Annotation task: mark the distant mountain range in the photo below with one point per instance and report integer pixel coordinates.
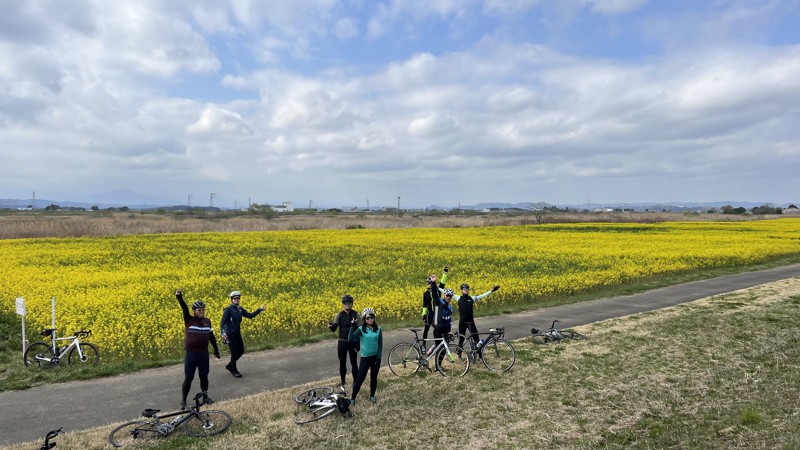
(137, 201)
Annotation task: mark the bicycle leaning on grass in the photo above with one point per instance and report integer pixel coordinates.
(42, 354)
(321, 402)
(554, 334)
(497, 354)
(194, 423)
(407, 358)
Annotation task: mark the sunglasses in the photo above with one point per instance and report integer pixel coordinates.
(369, 318)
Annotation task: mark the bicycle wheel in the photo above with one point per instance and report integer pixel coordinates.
(137, 431)
(498, 355)
(455, 364)
(207, 423)
(403, 359)
(305, 397)
(90, 355)
(36, 351)
(569, 334)
(315, 413)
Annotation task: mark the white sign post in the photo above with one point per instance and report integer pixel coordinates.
(21, 312)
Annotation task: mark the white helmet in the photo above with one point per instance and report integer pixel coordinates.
(368, 312)
(235, 294)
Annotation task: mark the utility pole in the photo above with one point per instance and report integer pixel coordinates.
(367, 204)
(33, 201)
(189, 201)
(211, 199)
(398, 205)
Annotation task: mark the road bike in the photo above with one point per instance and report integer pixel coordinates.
(50, 435)
(321, 402)
(194, 423)
(554, 334)
(407, 358)
(497, 354)
(42, 354)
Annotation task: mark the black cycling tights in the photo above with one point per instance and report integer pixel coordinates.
(195, 361)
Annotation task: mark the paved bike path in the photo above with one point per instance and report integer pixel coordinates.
(27, 415)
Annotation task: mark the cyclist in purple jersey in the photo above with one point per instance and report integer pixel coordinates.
(198, 335)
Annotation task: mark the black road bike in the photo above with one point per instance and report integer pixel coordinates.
(194, 423)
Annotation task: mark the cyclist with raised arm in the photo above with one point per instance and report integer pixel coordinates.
(230, 325)
(428, 306)
(370, 335)
(344, 321)
(442, 314)
(466, 318)
(198, 335)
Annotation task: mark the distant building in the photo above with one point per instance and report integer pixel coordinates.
(283, 207)
(791, 209)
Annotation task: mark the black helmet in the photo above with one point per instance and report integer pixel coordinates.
(347, 298)
(465, 286)
(198, 305)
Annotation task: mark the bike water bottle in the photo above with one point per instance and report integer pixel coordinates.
(480, 343)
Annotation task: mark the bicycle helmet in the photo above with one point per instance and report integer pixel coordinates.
(198, 305)
(465, 286)
(235, 294)
(448, 292)
(347, 298)
(368, 312)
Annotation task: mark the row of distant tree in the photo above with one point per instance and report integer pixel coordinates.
(267, 212)
(758, 210)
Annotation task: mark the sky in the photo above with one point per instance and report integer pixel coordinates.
(435, 102)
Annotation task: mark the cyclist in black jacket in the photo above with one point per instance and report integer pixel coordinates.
(343, 322)
(466, 318)
(428, 306)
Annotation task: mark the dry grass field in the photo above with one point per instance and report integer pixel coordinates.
(718, 373)
(89, 223)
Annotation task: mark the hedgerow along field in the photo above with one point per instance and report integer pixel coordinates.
(122, 287)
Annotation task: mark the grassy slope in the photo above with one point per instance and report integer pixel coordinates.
(718, 373)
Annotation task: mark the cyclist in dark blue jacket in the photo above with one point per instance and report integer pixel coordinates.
(442, 313)
(230, 325)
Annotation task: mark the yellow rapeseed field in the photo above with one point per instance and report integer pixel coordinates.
(122, 287)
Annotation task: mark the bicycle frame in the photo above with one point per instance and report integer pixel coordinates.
(425, 357)
(491, 338)
(59, 353)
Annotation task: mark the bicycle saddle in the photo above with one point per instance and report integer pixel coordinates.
(150, 412)
(415, 329)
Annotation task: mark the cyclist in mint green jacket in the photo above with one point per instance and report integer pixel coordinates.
(371, 337)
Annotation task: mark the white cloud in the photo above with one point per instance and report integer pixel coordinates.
(219, 122)
(263, 96)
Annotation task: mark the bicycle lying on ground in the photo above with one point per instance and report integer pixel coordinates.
(497, 354)
(43, 354)
(321, 402)
(554, 334)
(194, 422)
(50, 435)
(407, 358)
